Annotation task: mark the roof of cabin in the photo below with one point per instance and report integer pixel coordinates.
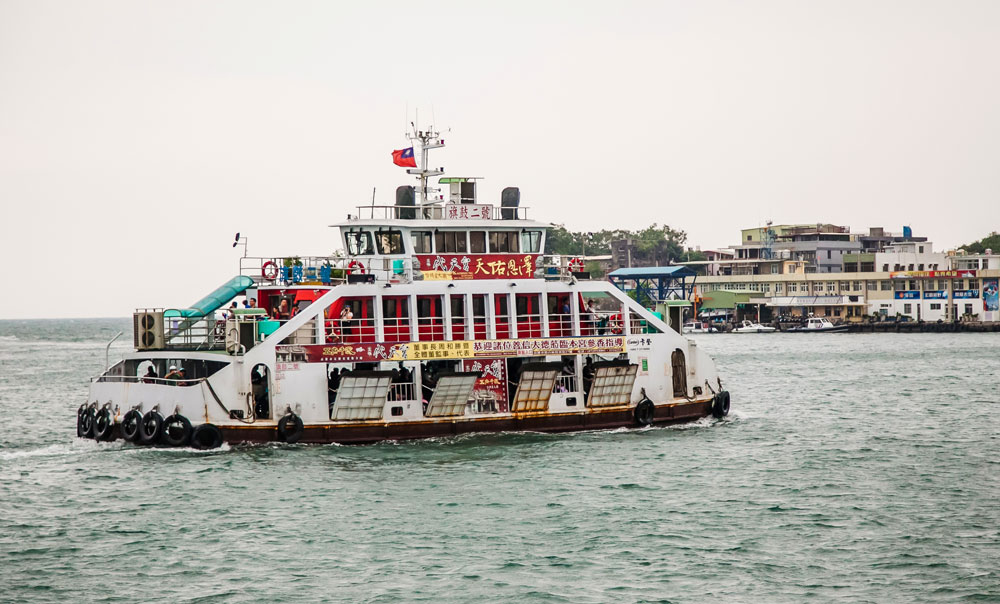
(650, 272)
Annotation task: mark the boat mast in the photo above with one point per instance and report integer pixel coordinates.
(428, 139)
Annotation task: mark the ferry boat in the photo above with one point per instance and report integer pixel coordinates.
(441, 317)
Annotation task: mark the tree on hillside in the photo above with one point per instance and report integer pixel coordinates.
(654, 244)
(990, 242)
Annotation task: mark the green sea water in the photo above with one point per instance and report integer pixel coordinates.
(853, 468)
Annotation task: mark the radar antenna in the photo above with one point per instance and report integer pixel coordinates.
(427, 139)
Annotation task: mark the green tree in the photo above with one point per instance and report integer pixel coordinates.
(990, 242)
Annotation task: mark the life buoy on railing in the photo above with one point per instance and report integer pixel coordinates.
(576, 265)
(269, 271)
(356, 266)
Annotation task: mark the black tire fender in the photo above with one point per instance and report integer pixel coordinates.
(290, 434)
(130, 425)
(720, 404)
(104, 425)
(206, 436)
(86, 423)
(643, 412)
(176, 431)
(150, 427)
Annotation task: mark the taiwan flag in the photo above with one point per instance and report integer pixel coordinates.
(404, 157)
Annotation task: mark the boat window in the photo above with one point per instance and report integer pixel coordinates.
(359, 243)
(477, 242)
(503, 242)
(394, 308)
(450, 242)
(389, 242)
(531, 242)
(479, 316)
(421, 242)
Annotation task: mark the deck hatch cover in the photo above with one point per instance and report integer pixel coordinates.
(362, 395)
(535, 386)
(452, 392)
(612, 384)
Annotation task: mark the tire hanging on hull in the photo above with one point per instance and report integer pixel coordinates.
(206, 436)
(643, 412)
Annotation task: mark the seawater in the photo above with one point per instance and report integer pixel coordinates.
(854, 467)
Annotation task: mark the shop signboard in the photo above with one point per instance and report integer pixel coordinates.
(457, 267)
(960, 274)
(936, 295)
(965, 293)
(908, 295)
(991, 301)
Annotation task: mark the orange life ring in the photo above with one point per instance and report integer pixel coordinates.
(269, 270)
(576, 265)
(356, 266)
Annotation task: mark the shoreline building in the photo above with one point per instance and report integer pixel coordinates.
(885, 274)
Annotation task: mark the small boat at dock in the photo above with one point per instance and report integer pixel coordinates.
(751, 327)
(818, 325)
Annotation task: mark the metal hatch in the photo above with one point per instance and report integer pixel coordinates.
(451, 393)
(362, 395)
(534, 389)
(612, 386)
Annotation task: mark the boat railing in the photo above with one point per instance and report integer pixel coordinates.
(402, 391)
(565, 383)
(441, 211)
(194, 333)
(142, 379)
(322, 270)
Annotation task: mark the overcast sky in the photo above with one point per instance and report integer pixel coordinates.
(136, 137)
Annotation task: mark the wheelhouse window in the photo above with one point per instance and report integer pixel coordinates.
(503, 242)
(450, 242)
(421, 242)
(359, 243)
(389, 242)
(477, 242)
(531, 242)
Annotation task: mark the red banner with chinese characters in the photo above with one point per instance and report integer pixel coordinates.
(442, 267)
(490, 391)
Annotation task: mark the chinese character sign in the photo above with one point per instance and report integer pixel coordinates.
(477, 266)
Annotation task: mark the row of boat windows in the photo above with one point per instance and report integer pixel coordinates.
(817, 287)
(527, 316)
(391, 242)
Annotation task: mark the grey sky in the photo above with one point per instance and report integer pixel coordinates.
(137, 137)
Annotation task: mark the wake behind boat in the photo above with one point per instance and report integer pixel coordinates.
(442, 317)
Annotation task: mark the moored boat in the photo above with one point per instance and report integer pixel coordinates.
(699, 327)
(751, 327)
(443, 316)
(817, 325)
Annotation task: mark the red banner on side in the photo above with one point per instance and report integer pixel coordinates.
(438, 267)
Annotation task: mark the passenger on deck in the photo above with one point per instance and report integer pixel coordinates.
(346, 318)
(172, 373)
(332, 384)
(150, 375)
(588, 375)
(282, 310)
